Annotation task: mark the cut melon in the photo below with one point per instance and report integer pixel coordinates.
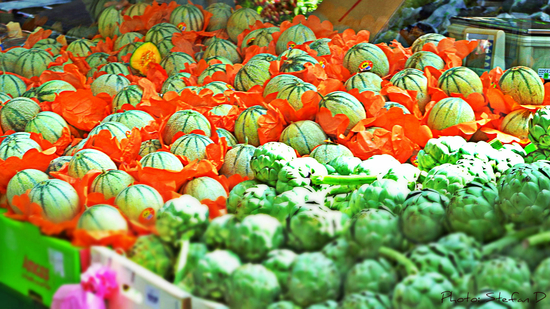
(143, 56)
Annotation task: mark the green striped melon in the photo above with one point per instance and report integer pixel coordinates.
(321, 46)
(111, 182)
(49, 124)
(194, 89)
(364, 81)
(71, 150)
(259, 37)
(162, 160)
(237, 161)
(112, 117)
(109, 22)
(175, 62)
(81, 47)
(297, 63)
(263, 57)
(364, 57)
(149, 146)
(16, 145)
(128, 50)
(211, 60)
(9, 59)
(449, 112)
(110, 84)
(277, 82)
(246, 125)
(115, 68)
(139, 203)
(222, 48)
(131, 94)
(523, 84)
(17, 112)
(12, 85)
(241, 20)
(51, 43)
(220, 15)
(185, 121)
(419, 43)
(32, 62)
(49, 90)
(135, 119)
(21, 182)
(516, 123)
(190, 15)
(423, 59)
(117, 130)
(58, 199)
(136, 9)
(222, 109)
(160, 31)
(229, 137)
(297, 35)
(86, 160)
(31, 93)
(210, 70)
(204, 188)
(460, 80)
(292, 92)
(4, 97)
(175, 83)
(413, 79)
(388, 105)
(340, 102)
(96, 8)
(102, 218)
(165, 47)
(57, 164)
(192, 146)
(97, 59)
(303, 136)
(328, 151)
(218, 87)
(289, 53)
(254, 72)
(127, 38)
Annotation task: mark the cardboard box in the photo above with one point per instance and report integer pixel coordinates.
(36, 265)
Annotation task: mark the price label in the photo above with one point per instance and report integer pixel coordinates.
(544, 73)
(152, 297)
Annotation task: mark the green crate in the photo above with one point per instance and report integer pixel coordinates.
(36, 265)
(13, 300)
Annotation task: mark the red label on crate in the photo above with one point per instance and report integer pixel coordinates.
(36, 269)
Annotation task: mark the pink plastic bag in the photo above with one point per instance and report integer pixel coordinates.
(97, 284)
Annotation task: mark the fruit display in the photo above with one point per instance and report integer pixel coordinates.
(281, 167)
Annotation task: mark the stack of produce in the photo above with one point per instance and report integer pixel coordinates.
(223, 152)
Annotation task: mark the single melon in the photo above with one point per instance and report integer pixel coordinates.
(523, 84)
(162, 160)
(303, 136)
(192, 146)
(139, 203)
(102, 218)
(16, 114)
(185, 121)
(86, 160)
(149, 146)
(329, 151)
(460, 80)
(58, 199)
(237, 161)
(49, 124)
(21, 182)
(203, 188)
(246, 125)
(516, 123)
(449, 112)
(111, 182)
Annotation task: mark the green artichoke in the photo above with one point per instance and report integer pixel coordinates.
(256, 200)
(283, 305)
(255, 236)
(466, 249)
(504, 159)
(524, 191)
(423, 215)
(341, 253)
(298, 172)
(377, 165)
(533, 255)
(343, 165)
(440, 151)
(190, 257)
(269, 159)
(541, 278)
(211, 272)
(375, 276)
(502, 272)
(152, 253)
(313, 278)
(251, 286)
(217, 235)
(480, 170)
(473, 210)
(182, 218)
(365, 300)
(421, 290)
(279, 262)
(436, 258)
(237, 193)
(287, 201)
(538, 155)
(383, 192)
(309, 228)
(340, 202)
(447, 178)
(329, 304)
(405, 173)
(516, 148)
(373, 228)
(539, 126)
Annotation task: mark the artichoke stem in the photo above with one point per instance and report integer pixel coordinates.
(400, 258)
(538, 239)
(496, 144)
(343, 180)
(343, 189)
(508, 240)
(182, 260)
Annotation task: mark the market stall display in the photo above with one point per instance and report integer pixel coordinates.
(254, 165)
